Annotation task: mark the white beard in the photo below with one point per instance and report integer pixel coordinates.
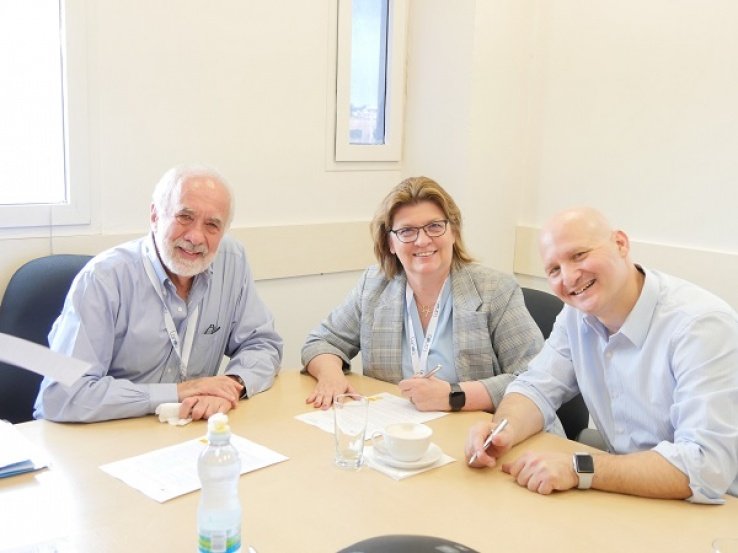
(176, 264)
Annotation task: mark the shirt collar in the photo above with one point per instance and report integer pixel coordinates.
(150, 252)
(160, 271)
(636, 325)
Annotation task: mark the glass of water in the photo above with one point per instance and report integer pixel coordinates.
(725, 545)
(350, 414)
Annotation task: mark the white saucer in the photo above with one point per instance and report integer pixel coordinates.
(431, 456)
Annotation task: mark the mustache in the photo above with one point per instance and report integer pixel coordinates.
(189, 247)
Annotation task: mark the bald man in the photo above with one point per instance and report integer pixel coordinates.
(155, 316)
(656, 360)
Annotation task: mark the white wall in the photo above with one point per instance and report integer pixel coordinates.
(518, 107)
(635, 112)
(628, 106)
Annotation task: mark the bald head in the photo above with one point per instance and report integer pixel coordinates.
(588, 264)
(582, 221)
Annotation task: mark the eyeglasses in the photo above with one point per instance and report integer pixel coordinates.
(433, 229)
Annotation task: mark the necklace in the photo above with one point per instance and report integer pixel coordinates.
(426, 310)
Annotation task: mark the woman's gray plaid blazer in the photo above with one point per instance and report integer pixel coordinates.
(494, 336)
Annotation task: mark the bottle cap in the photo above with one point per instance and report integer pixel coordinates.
(218, 425)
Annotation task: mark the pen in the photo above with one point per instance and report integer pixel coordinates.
(431, 372)
(499, 428)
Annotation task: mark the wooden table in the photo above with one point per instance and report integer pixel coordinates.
(306, 504)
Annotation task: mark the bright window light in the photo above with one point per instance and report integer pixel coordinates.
(31, 103)
(370, 80)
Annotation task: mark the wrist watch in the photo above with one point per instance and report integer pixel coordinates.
(457, 397)
(241, 382)
(584, 467)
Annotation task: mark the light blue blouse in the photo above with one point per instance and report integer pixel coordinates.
(442, 348)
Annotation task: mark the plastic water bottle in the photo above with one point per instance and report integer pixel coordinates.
(219, 512)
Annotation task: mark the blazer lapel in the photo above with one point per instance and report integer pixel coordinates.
(387, 332)
(468, 322)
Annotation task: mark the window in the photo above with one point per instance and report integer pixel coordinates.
(36, 138)
(370, 80)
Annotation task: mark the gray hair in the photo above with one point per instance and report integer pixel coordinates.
(170, 185)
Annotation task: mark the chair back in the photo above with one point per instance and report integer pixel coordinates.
(33, 300)
(544, 308)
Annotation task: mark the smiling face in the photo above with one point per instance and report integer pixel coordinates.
(188, 232)
(588, 267)
(426, 258)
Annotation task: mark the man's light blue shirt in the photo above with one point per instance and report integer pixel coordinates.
(666, 381)
(113, 317)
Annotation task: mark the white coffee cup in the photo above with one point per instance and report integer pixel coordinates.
(403, 441)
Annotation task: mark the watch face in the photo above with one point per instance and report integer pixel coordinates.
(585, 463)
(457, 398)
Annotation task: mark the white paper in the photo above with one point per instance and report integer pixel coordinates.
(169, 472)
(17, 454)
(384, 409)
(41, 360)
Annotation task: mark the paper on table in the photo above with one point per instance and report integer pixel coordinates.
(41, 360)
(384, 409)
(17, 454)
(169, 472)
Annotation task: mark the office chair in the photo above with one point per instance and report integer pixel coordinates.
(544, 308)
(33, 300)
(406, 543)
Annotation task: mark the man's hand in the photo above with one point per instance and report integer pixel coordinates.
(218, 386)
(202, 407)
(543, 472)
(478, 433)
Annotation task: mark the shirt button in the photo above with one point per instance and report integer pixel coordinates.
(179, 309)
(608, 355)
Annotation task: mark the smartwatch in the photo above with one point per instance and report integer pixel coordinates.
(241, 382)
(585, 468)
(457, 397)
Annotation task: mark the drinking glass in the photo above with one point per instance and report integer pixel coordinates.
(725, 545)
(350, 412)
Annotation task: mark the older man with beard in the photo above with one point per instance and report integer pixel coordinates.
(155, 316)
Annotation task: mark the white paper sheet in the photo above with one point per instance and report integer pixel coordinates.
(17, 454)
(169, 472)
(384, 409)
(41, 360)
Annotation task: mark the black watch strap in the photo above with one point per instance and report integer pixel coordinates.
(242, 383)
(457, 398)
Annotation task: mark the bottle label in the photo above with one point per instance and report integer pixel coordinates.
(219, 541)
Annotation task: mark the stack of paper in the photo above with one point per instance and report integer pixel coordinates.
(17, 454)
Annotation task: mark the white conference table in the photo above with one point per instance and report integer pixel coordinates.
(306, 504)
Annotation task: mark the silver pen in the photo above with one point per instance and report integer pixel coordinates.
(499, 428)
(430, 373)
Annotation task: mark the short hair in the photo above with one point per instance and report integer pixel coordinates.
(170, 184)
(412, 191)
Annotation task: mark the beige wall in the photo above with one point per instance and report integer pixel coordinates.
(519, 107)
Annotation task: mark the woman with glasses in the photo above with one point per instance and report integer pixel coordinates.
(453, 334)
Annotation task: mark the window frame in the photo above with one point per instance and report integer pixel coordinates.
(76, 209)
(391, 150)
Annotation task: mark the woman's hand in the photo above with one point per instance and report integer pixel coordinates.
(427, 394)
(327, 370)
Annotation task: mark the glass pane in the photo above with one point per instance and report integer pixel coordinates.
(368, 71)
(31, 103)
